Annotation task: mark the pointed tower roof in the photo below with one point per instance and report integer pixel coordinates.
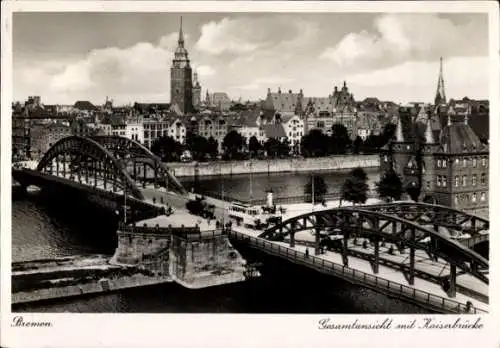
(429, 136)
(440, 94)
(399, 131)
(181, 36)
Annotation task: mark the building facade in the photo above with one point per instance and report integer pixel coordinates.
(445, 165)
(44, 136)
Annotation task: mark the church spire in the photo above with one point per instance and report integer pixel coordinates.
(440, 94)
(399, 131)
(181, 36)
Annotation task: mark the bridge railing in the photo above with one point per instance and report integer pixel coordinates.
(420, 296)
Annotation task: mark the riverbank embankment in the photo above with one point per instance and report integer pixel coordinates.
(283, 165)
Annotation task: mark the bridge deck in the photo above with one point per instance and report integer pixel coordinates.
(363, 266)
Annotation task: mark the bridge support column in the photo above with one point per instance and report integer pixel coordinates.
(345, 259)
(376, 256)
(411, 278)
(57, 165)
(144, 170)
(292, 239)
(135, 170)
(316, 240)
(452, 291)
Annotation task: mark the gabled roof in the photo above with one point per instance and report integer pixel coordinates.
(459, 137)
(283, 102)
(274, 130)
(84, 105)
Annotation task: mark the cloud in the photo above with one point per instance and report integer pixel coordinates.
(205, 70)
(247, 35)
(401, 37)
(225, 36)
(417, 81)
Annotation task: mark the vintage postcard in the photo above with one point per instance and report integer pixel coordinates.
(282, 174)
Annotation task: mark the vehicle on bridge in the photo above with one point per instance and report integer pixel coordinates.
(200, 207)
(252, 216)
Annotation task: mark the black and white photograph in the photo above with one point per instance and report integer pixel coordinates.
(260, 162)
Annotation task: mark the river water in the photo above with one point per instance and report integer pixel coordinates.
(56, 226)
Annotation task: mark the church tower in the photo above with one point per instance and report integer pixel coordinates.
(196, 92)
(440, 95)
(181, 80)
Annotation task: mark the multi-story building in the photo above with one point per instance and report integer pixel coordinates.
(177, 130)
(134, 129)
(249, 124)
(154, 128)
(181, 79)
(293, 126)
(43, 136)
(446, 165)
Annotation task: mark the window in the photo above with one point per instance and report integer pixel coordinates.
(483, 178)
(456, 200)
(474, 197)
(483, 196)
(443, 163)
(444, 179)
(457, 181)
(464, 180)
(484, 161)
(474, 162)
(465, 163)
(439, 164)
(474, 179)
(457, 161)
(438, 183)
(386, 159)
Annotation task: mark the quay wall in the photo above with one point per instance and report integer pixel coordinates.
(94, 287)
(289, 165)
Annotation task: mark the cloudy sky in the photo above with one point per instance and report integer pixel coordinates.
(66, 57)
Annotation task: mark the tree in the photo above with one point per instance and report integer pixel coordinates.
(314, 144)
(167, 148)
(254, 146)
(232, 143)
(356, 145)
(272, 147)
(284, 148)
(212, 147)
(320, 188)
(198, 147)
(355, 187)
(390, 186)
(339, 140)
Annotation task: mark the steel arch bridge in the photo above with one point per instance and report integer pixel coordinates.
(138, 159)
(336, 226)
(113, 160)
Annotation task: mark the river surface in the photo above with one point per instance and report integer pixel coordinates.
(57, 226)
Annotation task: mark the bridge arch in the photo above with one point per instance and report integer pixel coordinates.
(456, 222)
(87, 157)
(132, 153)
(345, 223)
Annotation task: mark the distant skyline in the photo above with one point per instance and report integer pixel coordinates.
(65, 57)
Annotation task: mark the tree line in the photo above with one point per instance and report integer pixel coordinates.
(355, 188)
(235, 147)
